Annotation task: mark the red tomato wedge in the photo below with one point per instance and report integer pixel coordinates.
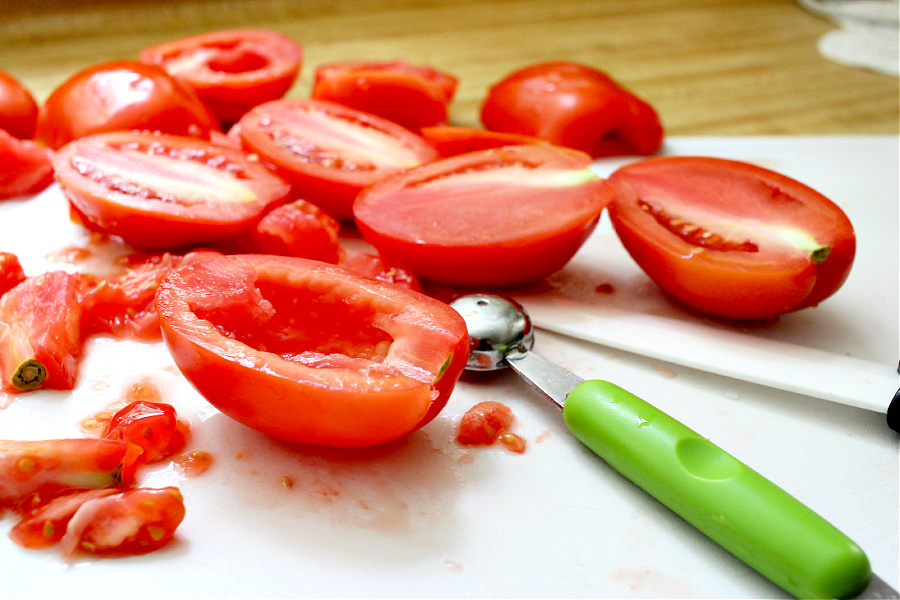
(412, 95)
(308, 352)
(573, 105)
(121, 95)
(729, 238)
(11, 272)
(490, 218)
(329, 151)
(450, 140)
(41, 332)
(232, 70)
(18, 109)
(164, 191)
(27, 167)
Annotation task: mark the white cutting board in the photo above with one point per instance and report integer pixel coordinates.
(425, 518)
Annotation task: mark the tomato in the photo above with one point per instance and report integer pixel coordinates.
(121, 95)
(484, 423)
(153, 426)
(11, 273)
(298, 228)
(46, 524)
(374, 266)
(329, 151)
(489, 218)
(41, 332)
(18, 110)
(573, 105)
(729, 238)
(308, 352)
(231, 70)
(49, 466)
(133, 521)
(450, 140)
(164, 191)
(27, 168)
(414, 96)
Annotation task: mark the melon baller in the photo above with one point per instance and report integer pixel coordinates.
(743, 512)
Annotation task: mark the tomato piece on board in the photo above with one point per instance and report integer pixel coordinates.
(11, 272)
(374, 266)
(164, 191)
(329, 151)
(153, 426)
(130, 522)
(41, 332)
(575, 106)
(27, 168)
(48, 467)
(18, 109)
(308, 352)
(484, 423)
(298, 228)
(232, 70)
(450, 140)
(729, 238)
(414, 96)
(490, 218)
(45, 524)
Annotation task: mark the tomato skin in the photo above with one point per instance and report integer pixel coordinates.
(450, 140)
(413, 96)
(153, 426)
(11, 272)
(329, 151)
(231, 70)
(27, 167)
(491, 218)
(121, 95)
(742, 266)
(573, 105)
(18, 109)
(163, 191)
(41, 331)
(367, 363)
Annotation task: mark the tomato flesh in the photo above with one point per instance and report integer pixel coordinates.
(308, 352)
(11, 272)
(484, 423)
(162, 191)
(729, 238)
(374, 266)
(45, 524)
(27, 167)
(153, 426)
(451, 140)
(490, 218)
(329, 151)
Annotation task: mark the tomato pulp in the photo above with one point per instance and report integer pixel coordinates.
(308, 352)
(489, 218)
(729, 238)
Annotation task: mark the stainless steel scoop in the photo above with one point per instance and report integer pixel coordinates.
(742, 511)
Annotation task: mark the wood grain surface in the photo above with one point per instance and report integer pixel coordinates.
(710, 67)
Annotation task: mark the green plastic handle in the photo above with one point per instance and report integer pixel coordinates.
(742, 511)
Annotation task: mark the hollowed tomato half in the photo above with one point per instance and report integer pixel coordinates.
(729, 238)
(164, 191)
(487, 218)
(308, 352)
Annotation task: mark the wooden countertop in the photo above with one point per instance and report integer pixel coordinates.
(710, 67)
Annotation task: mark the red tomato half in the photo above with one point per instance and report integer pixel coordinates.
(25, 167)
(164, 191)
(329, 151)
(121, 95)
(729, 238)
(18, 110)
(575, 106)
(414, 96)
(308, 352)
(232, 70)
(489, 218)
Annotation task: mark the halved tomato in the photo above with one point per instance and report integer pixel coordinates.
(413, 95)
(308, 352)
(329, 151)
(164, 191)
(730, 238)
(27, 167)
(232, 70)
(490, 218)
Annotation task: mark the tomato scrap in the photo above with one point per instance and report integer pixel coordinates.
(729, 238)
(451, 140)
(308, 352)
(374, 266)
(487, 423)
(27, 167)
(45, 524)
(231, 70)
(153, 426)
(573, 105)
(18, 109)
(11, 272)
(414, 96)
